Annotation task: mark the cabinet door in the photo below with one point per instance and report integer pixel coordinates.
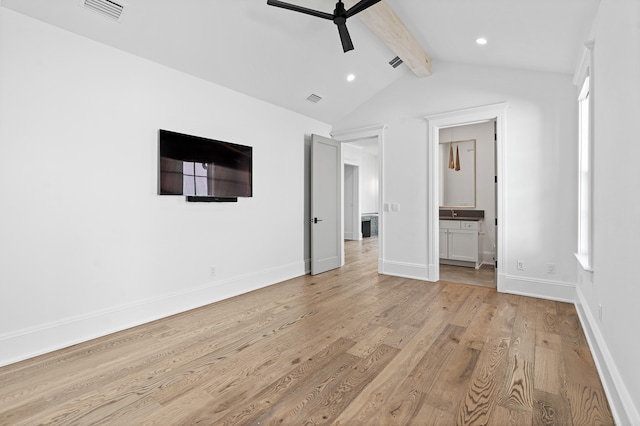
(463, 245)
(444, 244)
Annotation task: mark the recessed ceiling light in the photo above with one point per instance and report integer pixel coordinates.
(481, 41)
(351, 77)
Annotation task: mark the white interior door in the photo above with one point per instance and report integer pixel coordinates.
(326, 204)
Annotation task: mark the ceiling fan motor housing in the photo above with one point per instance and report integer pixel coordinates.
(339, 14)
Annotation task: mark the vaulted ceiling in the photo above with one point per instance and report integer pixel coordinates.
(282, 57)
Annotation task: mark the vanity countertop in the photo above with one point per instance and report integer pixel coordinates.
(461, 214)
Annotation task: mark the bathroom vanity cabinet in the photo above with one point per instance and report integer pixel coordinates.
(460, 242)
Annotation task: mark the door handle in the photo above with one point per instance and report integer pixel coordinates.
(316, 220)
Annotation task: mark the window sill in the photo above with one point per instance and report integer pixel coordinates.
(584, 261)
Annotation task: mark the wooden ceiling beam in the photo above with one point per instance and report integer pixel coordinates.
(387, 26)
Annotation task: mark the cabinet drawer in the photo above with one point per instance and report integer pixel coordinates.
(449, 224)
(470, 225)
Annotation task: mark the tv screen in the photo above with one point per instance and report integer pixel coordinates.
(201, 167)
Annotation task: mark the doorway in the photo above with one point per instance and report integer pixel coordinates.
(467, 187)
(363, 154)
(444, 120)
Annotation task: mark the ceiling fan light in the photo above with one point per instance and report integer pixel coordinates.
(481, 41)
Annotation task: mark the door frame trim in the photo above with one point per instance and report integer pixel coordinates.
(456, 118)
(352, 135)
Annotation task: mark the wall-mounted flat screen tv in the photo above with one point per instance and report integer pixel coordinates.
(201, 167)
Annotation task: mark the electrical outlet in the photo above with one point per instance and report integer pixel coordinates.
(212, 271)
(520, 265)
(551, 268)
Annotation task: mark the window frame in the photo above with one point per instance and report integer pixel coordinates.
(584, 253)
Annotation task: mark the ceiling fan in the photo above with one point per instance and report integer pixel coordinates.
(339, 17)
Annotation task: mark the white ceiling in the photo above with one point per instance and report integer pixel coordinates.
(282, 56)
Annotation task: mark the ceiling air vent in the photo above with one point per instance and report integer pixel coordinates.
(395, 62)
(314, 98)
(106, 8)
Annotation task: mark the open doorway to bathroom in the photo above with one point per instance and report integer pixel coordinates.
(467, 200)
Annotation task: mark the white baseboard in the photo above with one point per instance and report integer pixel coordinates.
(27, 343)
(405, 270)
(534, 287)
(622, 404)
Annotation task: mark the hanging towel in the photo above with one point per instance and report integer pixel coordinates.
(457, 159)
(451, 164)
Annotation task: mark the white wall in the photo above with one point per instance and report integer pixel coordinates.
(350, 203)
(485, 172)
(86, 245)
(367, 163)
(540, 174)
(369, 183)
(614, 283)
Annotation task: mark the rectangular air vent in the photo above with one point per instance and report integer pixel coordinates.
(395, 62)
(314, 98)
(106, 8)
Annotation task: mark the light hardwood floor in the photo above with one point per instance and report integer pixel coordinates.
(484, 276)
(346, 347)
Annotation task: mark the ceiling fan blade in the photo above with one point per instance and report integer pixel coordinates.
(345, 38)
(360, 6)
(296, 8)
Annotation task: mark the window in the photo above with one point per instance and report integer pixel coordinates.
(585, 169)
(194, 178)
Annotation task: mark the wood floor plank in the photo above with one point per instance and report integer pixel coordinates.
(569, 324)
(405, 404)
(505, 417)
(588, 406)
(482, 394)
(550, 409)
(517, 391)
(340, 393)
(476, 334)
(547, 319)
(579, 365)
(548, 371)
(303, 385)
(449, 389)
(347, 347)
(469, 308)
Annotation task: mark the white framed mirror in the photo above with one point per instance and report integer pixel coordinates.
(458, 174)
